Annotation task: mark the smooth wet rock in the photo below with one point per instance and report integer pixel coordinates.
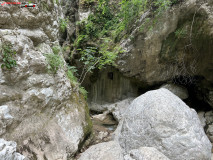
(161, 120)
(8, 151)
(103, 151)
(145, 153)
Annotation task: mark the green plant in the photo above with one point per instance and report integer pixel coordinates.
(63, 25)
(98, 36)
(70, 74)
(56, 49)
(54, 62)
(83, 91)
(8, 57)
(80, 39)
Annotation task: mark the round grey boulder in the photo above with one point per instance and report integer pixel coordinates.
(161, 120)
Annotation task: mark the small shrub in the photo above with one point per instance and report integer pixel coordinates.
(8, 57)
(55, 62)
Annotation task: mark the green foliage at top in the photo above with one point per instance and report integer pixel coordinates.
(8, 57)
(55, 62)
(108, 24)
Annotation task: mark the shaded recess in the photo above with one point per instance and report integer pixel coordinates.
(109, 86)
(188, 51)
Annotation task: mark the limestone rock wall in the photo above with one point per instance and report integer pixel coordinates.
(40, 111)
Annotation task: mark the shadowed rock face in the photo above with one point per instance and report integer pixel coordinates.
(179, 45)
(161, 120)
(41, 112)
(109, 87)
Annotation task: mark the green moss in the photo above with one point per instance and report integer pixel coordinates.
(168, 50)
(88, 128)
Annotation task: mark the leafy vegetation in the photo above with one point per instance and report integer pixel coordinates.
(56, 49)
(74, 81)
(8, 57)
(83, 91)
(70, 74)
(63, 25)
(55, 62)
(109, 22)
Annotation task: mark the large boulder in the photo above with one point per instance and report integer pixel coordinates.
(103, 151)
(8, 151)
(145, 153)
(161, 120)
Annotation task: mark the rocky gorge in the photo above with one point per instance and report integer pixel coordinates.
(90, 80)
